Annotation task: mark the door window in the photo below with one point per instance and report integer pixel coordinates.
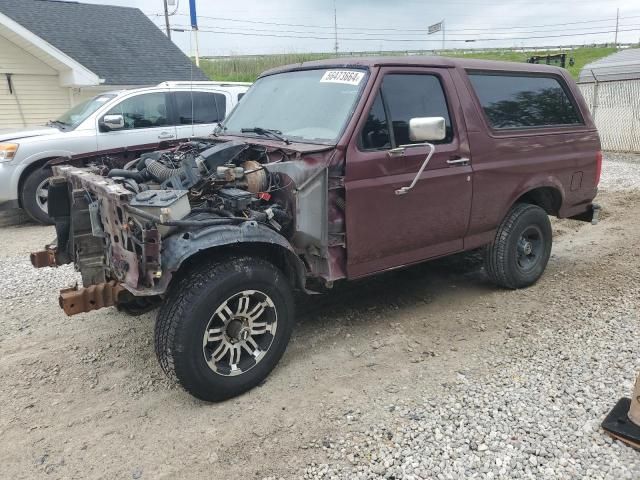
(200, 107)
(143, 111)
(375, 134)
(403, 97)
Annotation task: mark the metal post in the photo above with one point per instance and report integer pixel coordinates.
(595, 96)
(195, 33)
(194, 27)
(166, 18)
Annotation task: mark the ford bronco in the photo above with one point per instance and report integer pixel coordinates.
(327, 170)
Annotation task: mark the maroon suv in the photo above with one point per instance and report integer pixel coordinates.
(325, 171)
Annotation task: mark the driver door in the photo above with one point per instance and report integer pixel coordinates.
(146, 125)
(386, 230)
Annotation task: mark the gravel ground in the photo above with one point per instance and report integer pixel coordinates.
(536, 414)
(534, 410)
(426, 373)
(620, 171)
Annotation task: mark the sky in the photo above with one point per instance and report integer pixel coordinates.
(243, 27)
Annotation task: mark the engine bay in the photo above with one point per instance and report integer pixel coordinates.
(201, 180)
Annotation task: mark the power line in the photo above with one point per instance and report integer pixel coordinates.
(421, 30)
(222, 31)
(300, 32)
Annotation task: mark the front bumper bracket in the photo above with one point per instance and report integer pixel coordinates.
(74, 300)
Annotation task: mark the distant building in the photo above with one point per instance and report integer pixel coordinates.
(611, 87)
(54, 54)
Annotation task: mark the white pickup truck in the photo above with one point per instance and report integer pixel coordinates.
(116, 127)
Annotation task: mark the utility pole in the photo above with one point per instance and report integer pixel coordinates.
(166, 19)
(615, 42)
(194, 27)
(335, 26)
(443, 34)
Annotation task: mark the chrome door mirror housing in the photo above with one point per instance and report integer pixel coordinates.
(427, 129)
(112, 122)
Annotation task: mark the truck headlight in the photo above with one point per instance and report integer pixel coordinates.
(8, 151)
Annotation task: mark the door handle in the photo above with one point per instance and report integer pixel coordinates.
(458, 161)
(165, 136)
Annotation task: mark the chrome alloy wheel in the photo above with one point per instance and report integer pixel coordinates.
(42, 195)
(240, 333)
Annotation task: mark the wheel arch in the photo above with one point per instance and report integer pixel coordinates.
(183, 250)
(29, 169)
(549, 198)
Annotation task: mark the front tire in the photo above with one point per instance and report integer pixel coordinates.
(34, 195)
(224, 326)
(520, 252)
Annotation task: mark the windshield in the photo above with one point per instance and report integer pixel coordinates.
(72, 118)
(308, 105)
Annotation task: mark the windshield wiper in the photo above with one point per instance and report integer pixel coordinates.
(219, 129)
(267, 132)
(57, 123)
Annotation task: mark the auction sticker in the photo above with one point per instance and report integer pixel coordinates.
(349, 77)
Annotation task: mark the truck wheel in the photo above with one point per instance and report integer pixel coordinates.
(35, 193)
(224, 327)
(520, 252)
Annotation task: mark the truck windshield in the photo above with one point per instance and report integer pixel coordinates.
(74, 117)
(310, 106)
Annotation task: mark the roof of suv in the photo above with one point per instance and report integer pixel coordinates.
(233, 88)
(418, 61)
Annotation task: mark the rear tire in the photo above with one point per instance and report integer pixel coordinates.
(33, 196)
(224, 326)
(521, 249)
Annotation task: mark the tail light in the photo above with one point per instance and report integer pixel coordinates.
(598, 167)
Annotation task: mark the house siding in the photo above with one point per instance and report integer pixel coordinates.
(37, 95)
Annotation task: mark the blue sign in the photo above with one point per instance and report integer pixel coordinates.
(194, 17)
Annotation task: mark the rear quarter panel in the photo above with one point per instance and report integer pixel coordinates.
(509, 163)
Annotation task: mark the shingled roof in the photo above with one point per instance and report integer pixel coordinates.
(119, 44)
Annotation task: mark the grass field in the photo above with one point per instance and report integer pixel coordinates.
(246, 69)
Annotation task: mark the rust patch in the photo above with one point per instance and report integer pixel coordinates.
(44, 258)
(74, 300)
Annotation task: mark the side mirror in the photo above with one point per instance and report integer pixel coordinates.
(425, 129)
(112, 122)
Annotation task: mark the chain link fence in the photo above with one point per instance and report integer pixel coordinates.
(615, 107)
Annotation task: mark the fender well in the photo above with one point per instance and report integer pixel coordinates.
(29, 169)
(548, 198)
(251, 238)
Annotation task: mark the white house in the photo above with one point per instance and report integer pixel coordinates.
(55, 53)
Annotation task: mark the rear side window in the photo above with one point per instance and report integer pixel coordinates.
(200, 107)
(519, 101)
